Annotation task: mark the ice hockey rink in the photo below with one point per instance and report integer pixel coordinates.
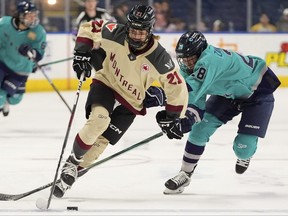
(31, 140)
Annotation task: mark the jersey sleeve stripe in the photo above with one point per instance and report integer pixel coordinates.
(85, 41)
(174, 109)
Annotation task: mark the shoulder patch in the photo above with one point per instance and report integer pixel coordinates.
(161, 60)
(111, 26)
(97, 25)
(114, 32)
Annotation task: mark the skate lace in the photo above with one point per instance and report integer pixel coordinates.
(243, 163)
(70, 169)
(180, 179)
(63, 186)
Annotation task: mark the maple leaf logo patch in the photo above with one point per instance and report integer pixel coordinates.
(145, 68)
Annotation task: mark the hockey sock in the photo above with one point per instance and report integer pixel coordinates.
(191, 156)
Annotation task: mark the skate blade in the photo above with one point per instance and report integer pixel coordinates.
(171, 192)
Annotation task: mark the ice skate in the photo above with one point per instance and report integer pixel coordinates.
(68, 176)
(5, 109)
(60, 189)
(177, 184)
(241, 165)
(69, 171)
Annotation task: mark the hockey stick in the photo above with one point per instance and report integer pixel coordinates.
(54, 87)
(14, 197)
(55, 62)
(31, 56)
(66, 136)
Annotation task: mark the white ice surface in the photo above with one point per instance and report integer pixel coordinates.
(31, 139)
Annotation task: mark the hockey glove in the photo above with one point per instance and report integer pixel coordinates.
(81, 64)
(171, 126)
(27, 50)
(154, 97)
(193, 114)
(187, 122)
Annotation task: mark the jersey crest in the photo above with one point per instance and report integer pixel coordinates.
(31, 35)
(111, 26)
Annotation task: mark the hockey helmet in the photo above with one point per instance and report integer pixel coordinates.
(26, 7)
(190, 44)
(141, 17)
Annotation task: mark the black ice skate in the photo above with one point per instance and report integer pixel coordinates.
(60, 189)
(68, 176)
(5, 109)
(241, 165)
(177, 184)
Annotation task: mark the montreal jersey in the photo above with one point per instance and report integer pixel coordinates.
(129, 75)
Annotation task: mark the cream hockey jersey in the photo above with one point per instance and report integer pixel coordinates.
(128, 75)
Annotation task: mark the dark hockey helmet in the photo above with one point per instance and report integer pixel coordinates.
(191, 43)
(141, 17)
(25, 7)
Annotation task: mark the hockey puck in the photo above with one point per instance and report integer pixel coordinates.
(72, 208)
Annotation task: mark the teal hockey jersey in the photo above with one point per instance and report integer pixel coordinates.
(11, 39)
(224, 73)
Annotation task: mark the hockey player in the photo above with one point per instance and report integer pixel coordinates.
(134, 61)
(237, 84)
(19, 35)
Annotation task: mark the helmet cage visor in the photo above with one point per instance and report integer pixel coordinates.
(30, 18)
(137, 37)
(187, 64)
(28, 14)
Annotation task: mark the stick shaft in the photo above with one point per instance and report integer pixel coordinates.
(125, 150)
(55, 62)
(66, 137)
(31, 56)
(54, 87)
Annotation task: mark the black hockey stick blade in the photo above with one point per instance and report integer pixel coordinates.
(15, 197)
